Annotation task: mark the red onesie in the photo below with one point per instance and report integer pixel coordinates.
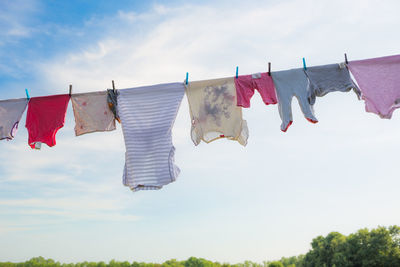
(46, 115)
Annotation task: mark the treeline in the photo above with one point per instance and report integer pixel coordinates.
(365, 248)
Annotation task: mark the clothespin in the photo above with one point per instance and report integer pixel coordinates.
(70, 90)
(345, 58)
(269, 68)
(187, 78)
(113, 86)
(304, 64)
(27, 94)
(237, 72)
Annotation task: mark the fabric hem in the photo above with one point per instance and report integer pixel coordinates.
(382, 116)
(311, 120)
(94, 131)
(229, 137)
(270, 103)
(287, 127)
(140, 188)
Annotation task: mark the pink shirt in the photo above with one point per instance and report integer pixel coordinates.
(379, 82)
(45, 116)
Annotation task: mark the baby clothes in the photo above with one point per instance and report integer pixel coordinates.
(289, 83)
(245, 85)
(214, 111)
(92, 113)
(10, 114)
(147, 116)
(113, 102)
(379, 82)
(329, 78)
(46, 115)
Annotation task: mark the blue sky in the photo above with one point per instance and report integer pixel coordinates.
(230, 203)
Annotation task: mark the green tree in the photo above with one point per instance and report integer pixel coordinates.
(172, 263)
(378, 247)
(295, 261)
(366, 248)
(198, 262)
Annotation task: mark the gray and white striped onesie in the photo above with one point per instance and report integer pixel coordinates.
(10, 114)
(147, 115)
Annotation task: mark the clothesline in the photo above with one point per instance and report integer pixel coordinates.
(147, 113)
(187, 77)
(70, 92)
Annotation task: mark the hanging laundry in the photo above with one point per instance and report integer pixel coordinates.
(214, 111)
(246, 84)
(10, 114)
(147, 116)
(46, 115)
(92, 113)
(290, 83)
(113, 102)
(329, 78)
(379, 82)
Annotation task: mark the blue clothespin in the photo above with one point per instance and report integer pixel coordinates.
(187, 78)
(304, 64)
(27, 94)
(237, 71)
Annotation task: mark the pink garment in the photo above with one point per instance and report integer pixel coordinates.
(46, 115)
(379, 82)
(245, 85)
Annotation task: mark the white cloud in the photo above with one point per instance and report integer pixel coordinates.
(14, 18)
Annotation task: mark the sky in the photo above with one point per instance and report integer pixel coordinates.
(230, 203)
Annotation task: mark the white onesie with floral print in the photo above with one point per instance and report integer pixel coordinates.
(214, 112)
